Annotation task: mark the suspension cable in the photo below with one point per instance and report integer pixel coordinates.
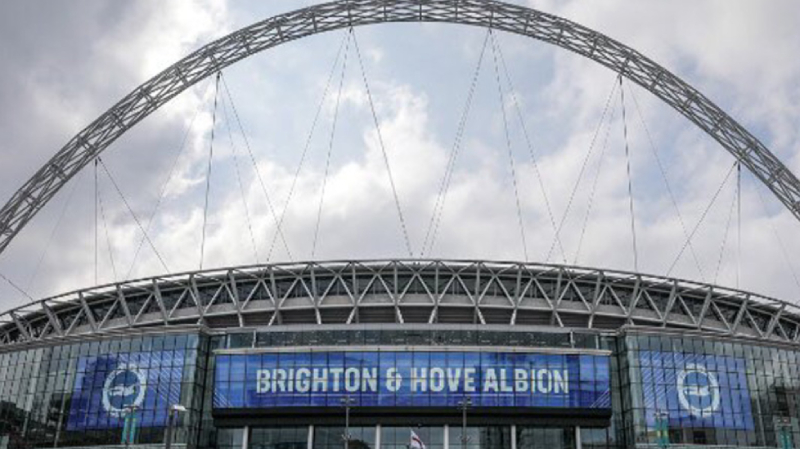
(724, 243)
(628, 170)
(164, 185)
(96, 199)
(16, 287)
(702, 217)
(278, 227)
(592, 193)
(508, 148)
(108, 237)
(738, 223)
(133, 214)
(531, 150)
(444, 185)
(208, 172)
(383, 147)
(235, 154)
(306, 147)
(330, 150)
(582, 170)
(782, 246)
(664, 177)
(51, 237)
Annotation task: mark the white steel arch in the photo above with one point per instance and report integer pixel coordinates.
(151, 95)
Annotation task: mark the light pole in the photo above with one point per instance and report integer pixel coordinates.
(784, 425)
(173, 410)
(662, 429)
(347, 402)
(129, 429)
(464, 404)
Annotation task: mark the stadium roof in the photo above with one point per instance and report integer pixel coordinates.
(404, 292)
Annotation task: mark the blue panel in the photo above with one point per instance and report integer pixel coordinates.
(105, 385)
(412, 379)
(696, 390)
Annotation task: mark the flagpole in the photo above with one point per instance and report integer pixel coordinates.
(464, 404)
(347, 402)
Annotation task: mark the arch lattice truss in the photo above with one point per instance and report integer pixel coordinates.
(148, 97)
(404, 292)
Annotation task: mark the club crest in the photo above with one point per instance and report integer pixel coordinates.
(125, 386)
(698, 391)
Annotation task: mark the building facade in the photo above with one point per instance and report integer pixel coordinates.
(457, 354)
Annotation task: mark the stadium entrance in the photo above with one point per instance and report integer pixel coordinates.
(404, 437)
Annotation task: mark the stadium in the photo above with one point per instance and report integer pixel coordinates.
(400, 353)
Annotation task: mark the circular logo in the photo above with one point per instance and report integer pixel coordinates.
(698, 391)
(125, 386)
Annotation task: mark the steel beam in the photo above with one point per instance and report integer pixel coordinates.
(103, 131)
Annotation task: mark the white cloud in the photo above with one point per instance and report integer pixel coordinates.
(561, 95)
(78, 66)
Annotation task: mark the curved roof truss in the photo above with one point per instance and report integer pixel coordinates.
(94, 139)
(430, 292)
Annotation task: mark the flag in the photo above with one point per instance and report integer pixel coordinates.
(416, 441)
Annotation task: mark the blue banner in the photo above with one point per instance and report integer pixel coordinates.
(695, 390)
(411, 379)
(108, 386)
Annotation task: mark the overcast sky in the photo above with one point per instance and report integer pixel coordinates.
(65, 63)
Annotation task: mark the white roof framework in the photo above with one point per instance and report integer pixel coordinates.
(405, 292)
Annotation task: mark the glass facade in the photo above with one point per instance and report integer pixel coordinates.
(546, 437)
(278, 438)
(669, 387)
(707, 391)
(399, 437)
(409, 337)
(326, 437)
(79, 394)
(494, 437)
(231, 438)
